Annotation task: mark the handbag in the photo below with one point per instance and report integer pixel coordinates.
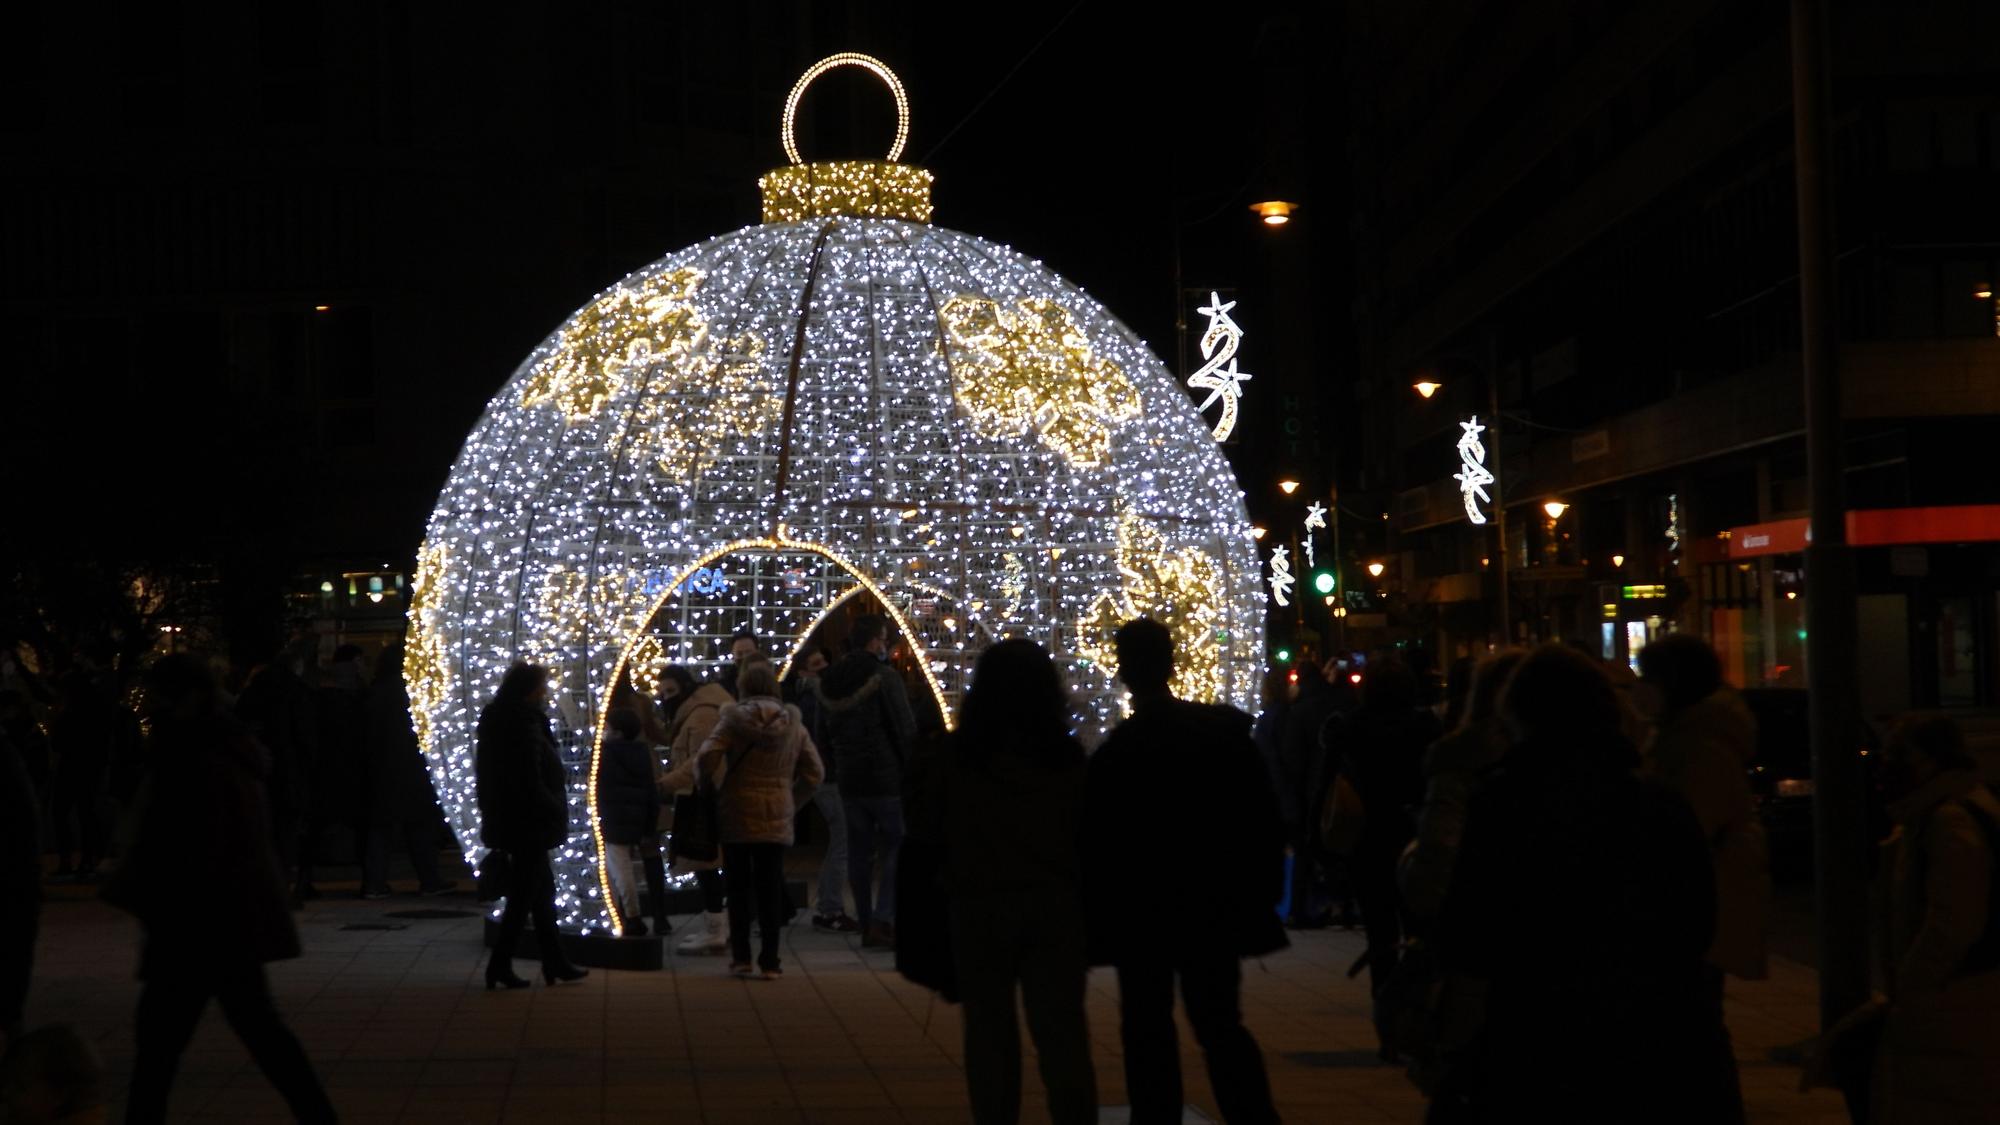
(496, 871)
(697, 835)
(695, 831)
(1343, 818)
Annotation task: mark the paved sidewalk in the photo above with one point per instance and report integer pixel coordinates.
(402, 1030)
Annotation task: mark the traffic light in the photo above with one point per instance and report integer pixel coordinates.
(1322, 581)
(1283, 655)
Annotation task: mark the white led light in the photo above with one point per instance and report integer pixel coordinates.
(1282, 580)
(1218, 374)
(1472, 475)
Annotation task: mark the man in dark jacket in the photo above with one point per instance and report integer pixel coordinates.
(203, 879)
(1174, 760)
(402, 805)
(869, 724)
(1380, 751)
(1302, 765)
(278, 706)
(279, 709)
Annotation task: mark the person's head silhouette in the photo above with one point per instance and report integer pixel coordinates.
(1145, 656)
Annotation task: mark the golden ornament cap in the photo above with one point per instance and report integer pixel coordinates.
(882, 189)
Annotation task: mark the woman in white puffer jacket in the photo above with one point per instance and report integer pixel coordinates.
(763, 765)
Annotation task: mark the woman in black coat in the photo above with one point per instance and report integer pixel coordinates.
(523, 811)
(628, 809)
(202, 877)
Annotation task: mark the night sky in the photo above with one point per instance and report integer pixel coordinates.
(473, 182)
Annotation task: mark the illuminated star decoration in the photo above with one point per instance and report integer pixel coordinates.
(1281, 577)
(1218, 348)
(1472, 476)
(1315, 517)
(1031, 368)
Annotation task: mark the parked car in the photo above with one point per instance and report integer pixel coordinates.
(1781, 778)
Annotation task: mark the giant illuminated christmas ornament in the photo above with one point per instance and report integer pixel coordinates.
(841, 404)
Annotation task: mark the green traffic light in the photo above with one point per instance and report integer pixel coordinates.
(1323, 581)
(1284, 656)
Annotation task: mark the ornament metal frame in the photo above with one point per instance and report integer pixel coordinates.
(984, 449)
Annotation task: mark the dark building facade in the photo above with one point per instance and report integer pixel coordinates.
(1585, 213)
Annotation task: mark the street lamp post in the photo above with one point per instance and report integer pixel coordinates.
(1499, 495)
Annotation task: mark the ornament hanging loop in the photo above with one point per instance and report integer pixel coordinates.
(848, 58)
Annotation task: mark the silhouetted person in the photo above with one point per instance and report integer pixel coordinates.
(203, 879)
(628, 812)
(1229, 841)
(1940, 1057)
(1380, 750)
(18, 723)
(763, 768)
(1453, 768)
(1702, 745)
(20, 887)
(340, 755)
(524, 811)
(278, 706)
(402, 805)
(872, 731)
(742, 648)
(51, 1076)
(830, 900)
(1008, 800)
(1583, 897)
(82, 734)
(698, 710)
(1302, 763)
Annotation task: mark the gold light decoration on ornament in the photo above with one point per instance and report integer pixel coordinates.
(1181, 588)
(846, 187)
(1030, 369)
(424, 658)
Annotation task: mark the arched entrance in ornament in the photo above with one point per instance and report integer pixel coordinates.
(782, 589)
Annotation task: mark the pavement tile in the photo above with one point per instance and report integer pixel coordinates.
(403, 1030)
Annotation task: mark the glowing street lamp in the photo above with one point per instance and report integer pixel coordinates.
(1618, 560)
(1274, 212)
(1375, 570)
(1555, 509)
(1426, 387)
(1258, 533)
(1288, 486)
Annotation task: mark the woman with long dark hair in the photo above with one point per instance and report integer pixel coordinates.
(524, 811)
(1582, 896)
(1011, 799)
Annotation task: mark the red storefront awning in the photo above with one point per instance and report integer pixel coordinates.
(1874, 527)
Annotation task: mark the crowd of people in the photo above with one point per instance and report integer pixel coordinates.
(1555, 872)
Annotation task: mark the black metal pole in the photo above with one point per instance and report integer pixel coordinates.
(1832, 674)
(1499, 495)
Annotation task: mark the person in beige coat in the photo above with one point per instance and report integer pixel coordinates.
(1703, 742)
(694, 718)
(763, 765)
(1940, 1054)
